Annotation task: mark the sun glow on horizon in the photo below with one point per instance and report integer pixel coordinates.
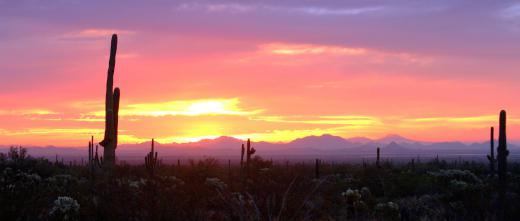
(183, 108)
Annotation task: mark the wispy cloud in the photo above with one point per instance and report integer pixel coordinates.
(303, 49)
(511, 12)
(26, 112)
(465, 121)
(66, 132)
(94, 34)
(338, 11)
(511, 16)
(323, 120)
(319, 51)
(307, 10)
(184, 108)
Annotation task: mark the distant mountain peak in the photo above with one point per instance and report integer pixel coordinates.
(320, 137)
(362, 140)
(394, 138)
(221, 139)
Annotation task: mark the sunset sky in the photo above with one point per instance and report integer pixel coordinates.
(266, 70)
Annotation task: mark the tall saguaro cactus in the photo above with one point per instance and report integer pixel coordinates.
(109, 142)
(491, 156)
(502, 153)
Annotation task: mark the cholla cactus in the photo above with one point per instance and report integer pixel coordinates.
(216, 182)
(357, 202)
(351, 196)
(65, 208)
(387, 211)
(150, 160)
(136, 184)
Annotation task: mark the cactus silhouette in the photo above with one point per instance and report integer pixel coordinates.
(249, 152)
(94, 161)
(377, 159)
(150, 161)
(109, 141)
(502, 153)
(491, 156)
(317, 168)
(91, 154)
(242, 157)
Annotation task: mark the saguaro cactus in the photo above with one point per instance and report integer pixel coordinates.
(491, 156)
(242, 157)
(90, 153)
(249, 152)
(109, 141)
(377, 159)
(317, 168)
(502, 153)
(150, 161)
(93, 157)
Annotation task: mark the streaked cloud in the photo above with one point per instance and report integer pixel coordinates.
(66, 132)
(463, 121)
(338, 11)
(511, 12)
(184, 108)
(28, 112)
(323, 120)
(95, 33)
(302, 49)
(308, 10)
(319, 51)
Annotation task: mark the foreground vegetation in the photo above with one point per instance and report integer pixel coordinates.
(37, 189)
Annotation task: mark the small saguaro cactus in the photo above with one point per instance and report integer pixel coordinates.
(502, 154)
(90, 164)
(377, 159)
(249, 152)
(109, 141)
(93, 158)
(491, 155)
(242, 157)
(229, 167)
(98, 160)
(150, 161)
(90, 154)
(317, 168)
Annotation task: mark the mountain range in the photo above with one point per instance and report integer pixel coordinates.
(328, 146)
